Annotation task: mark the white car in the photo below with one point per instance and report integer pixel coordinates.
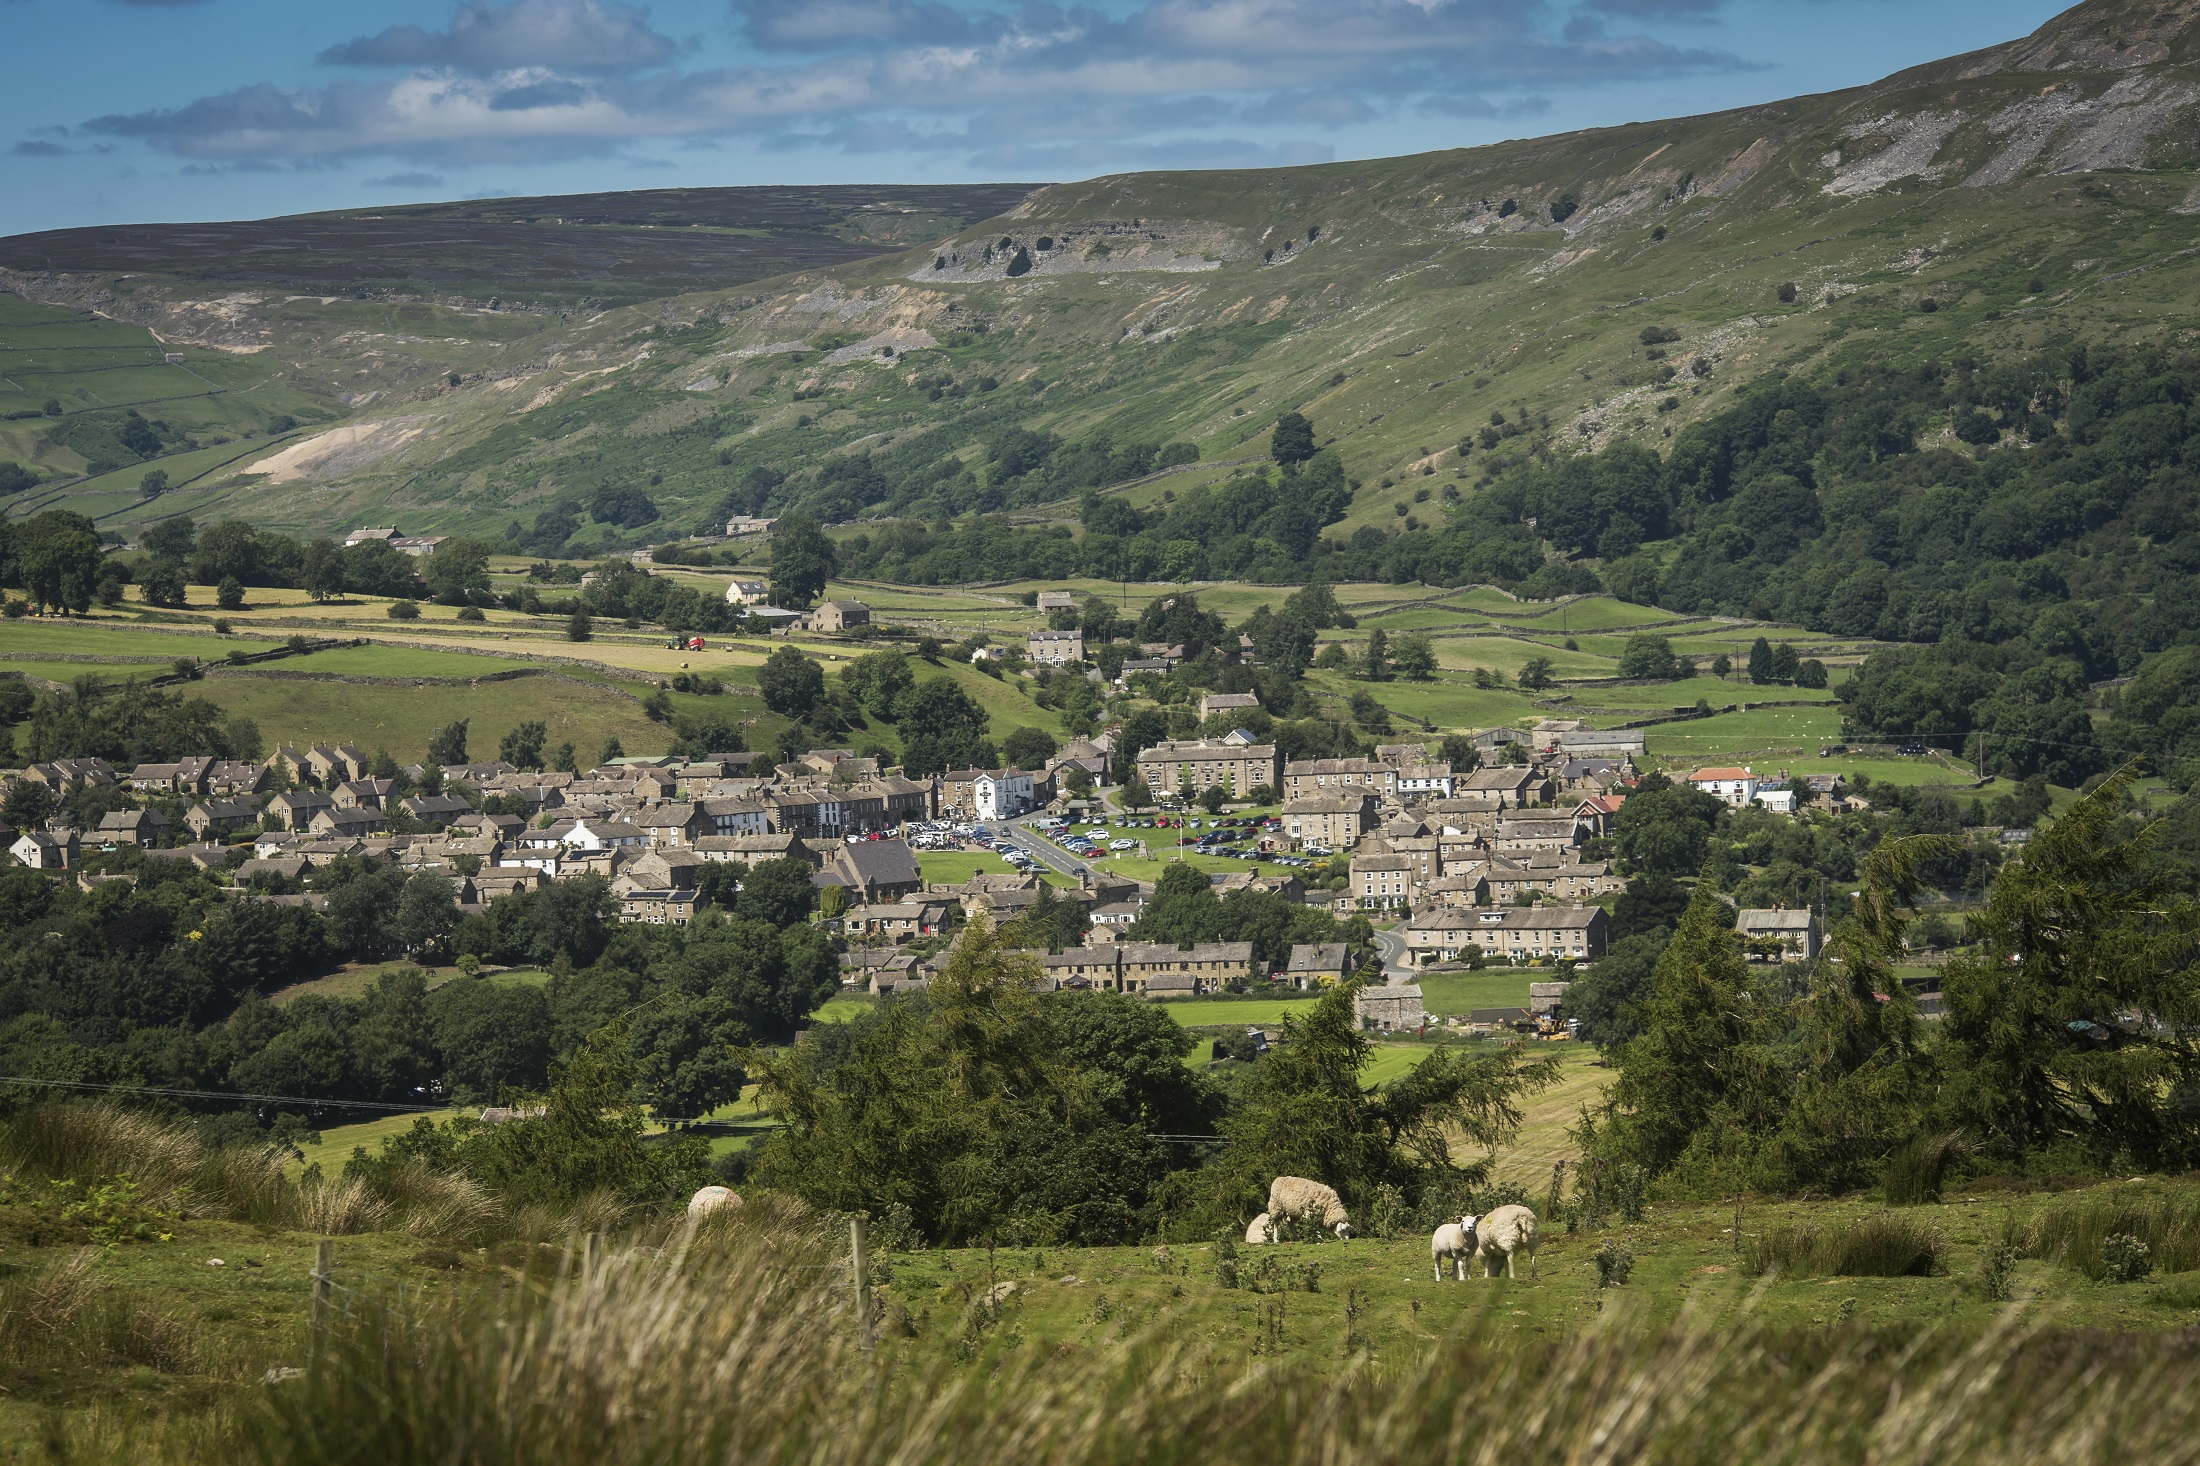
(1122, 844)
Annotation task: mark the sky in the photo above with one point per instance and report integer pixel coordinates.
(121, 111)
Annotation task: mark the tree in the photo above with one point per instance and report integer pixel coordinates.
(153, 484)
(777, 893)
(161, 583)
(1537, 673)
(1604, 997)
(1459, 751)
(1375, 667)
(1136, 793)
(1651, 904)
(1415, 658)
(1677, 1077)
(1028, 748)
(427, 913)
(1293, 441)
(522, 746)
(1666, 829)
(2077, 933)
(493, 1037)
(1213, 797)
(447, 744)
(1722, 666)
(457, 568)
(803, 560)
(1760, 661)
(683, 1051)
(321, 570)
(790, 682)
(229, 595)
(578, 627)
(172, 539)
(57, 556)
(942, 728)
(878, 680)
(1648, 655)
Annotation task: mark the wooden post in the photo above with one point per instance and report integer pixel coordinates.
(592, 1256)
(859, 1265)
(324, 1285)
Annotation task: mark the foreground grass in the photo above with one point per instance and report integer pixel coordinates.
(743, 1345)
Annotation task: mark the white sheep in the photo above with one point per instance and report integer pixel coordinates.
(711, 1199)
(1308, 1201)
(1506, 1232)
(1453, 1240)
(1261, 1232)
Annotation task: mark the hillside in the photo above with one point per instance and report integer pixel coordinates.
(1516, 302)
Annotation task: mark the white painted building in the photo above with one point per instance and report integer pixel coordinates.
(1735, 786)
(748, 592)
(999, 794)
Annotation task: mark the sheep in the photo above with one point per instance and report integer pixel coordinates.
(1308, 1201)
(1261, 1232)
(1505, 1232)
(712, 1199)
(1453, 1240)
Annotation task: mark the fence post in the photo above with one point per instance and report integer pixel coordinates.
(859, 1265)
(324, 1286)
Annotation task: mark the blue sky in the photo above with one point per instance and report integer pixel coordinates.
(128, 110)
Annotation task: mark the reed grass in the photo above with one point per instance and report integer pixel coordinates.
(1879, 1246)
(60, 1318)
(2069, 1232)
(740, 1344)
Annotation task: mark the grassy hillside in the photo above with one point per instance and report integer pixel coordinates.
(1195, 308)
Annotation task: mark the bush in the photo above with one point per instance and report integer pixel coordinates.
(1881, 1246)
(2076, 1233)
(1615, 1261)
(404, 611)
(471, 613)
(1997, 1273)
(2124, 1258)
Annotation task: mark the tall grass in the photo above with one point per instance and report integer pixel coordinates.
(2070, 1232)
(1913, 1174)
(741, 1346)
(90, 1142)
(1878, 1246)
(60, 1318)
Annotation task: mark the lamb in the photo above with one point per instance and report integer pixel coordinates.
(712, 1199)
(1308, 1201)
(1453, 1240)
(1506, 1232)
(1261, 1232)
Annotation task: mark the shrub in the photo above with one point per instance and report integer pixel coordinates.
(1615, 1261)
(1997, 1273)
(1880, 1246)
(2074, 1233)
(471, 613)
(2124, 1258)
(404, 611)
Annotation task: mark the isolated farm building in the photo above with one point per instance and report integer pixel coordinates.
(743, 525)
(839, 616)
(1211, 703)
(744, 592)
(1057, 600)
(1389, 1007)
(1546, 998)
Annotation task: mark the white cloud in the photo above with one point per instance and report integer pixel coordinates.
(530, 80)
(589, 35)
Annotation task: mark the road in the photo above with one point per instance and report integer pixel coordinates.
(1045, 851)
(1391, 947)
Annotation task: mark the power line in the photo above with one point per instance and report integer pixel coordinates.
(205, 1094)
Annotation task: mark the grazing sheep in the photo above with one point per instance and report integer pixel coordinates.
(1453, 1240)
(1308, 1201)
(1261, 1231)
(712, 1199)
(1506, 1232)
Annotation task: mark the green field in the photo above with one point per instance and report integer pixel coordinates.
(401, 718)
(1463, 992)
(956, 867)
